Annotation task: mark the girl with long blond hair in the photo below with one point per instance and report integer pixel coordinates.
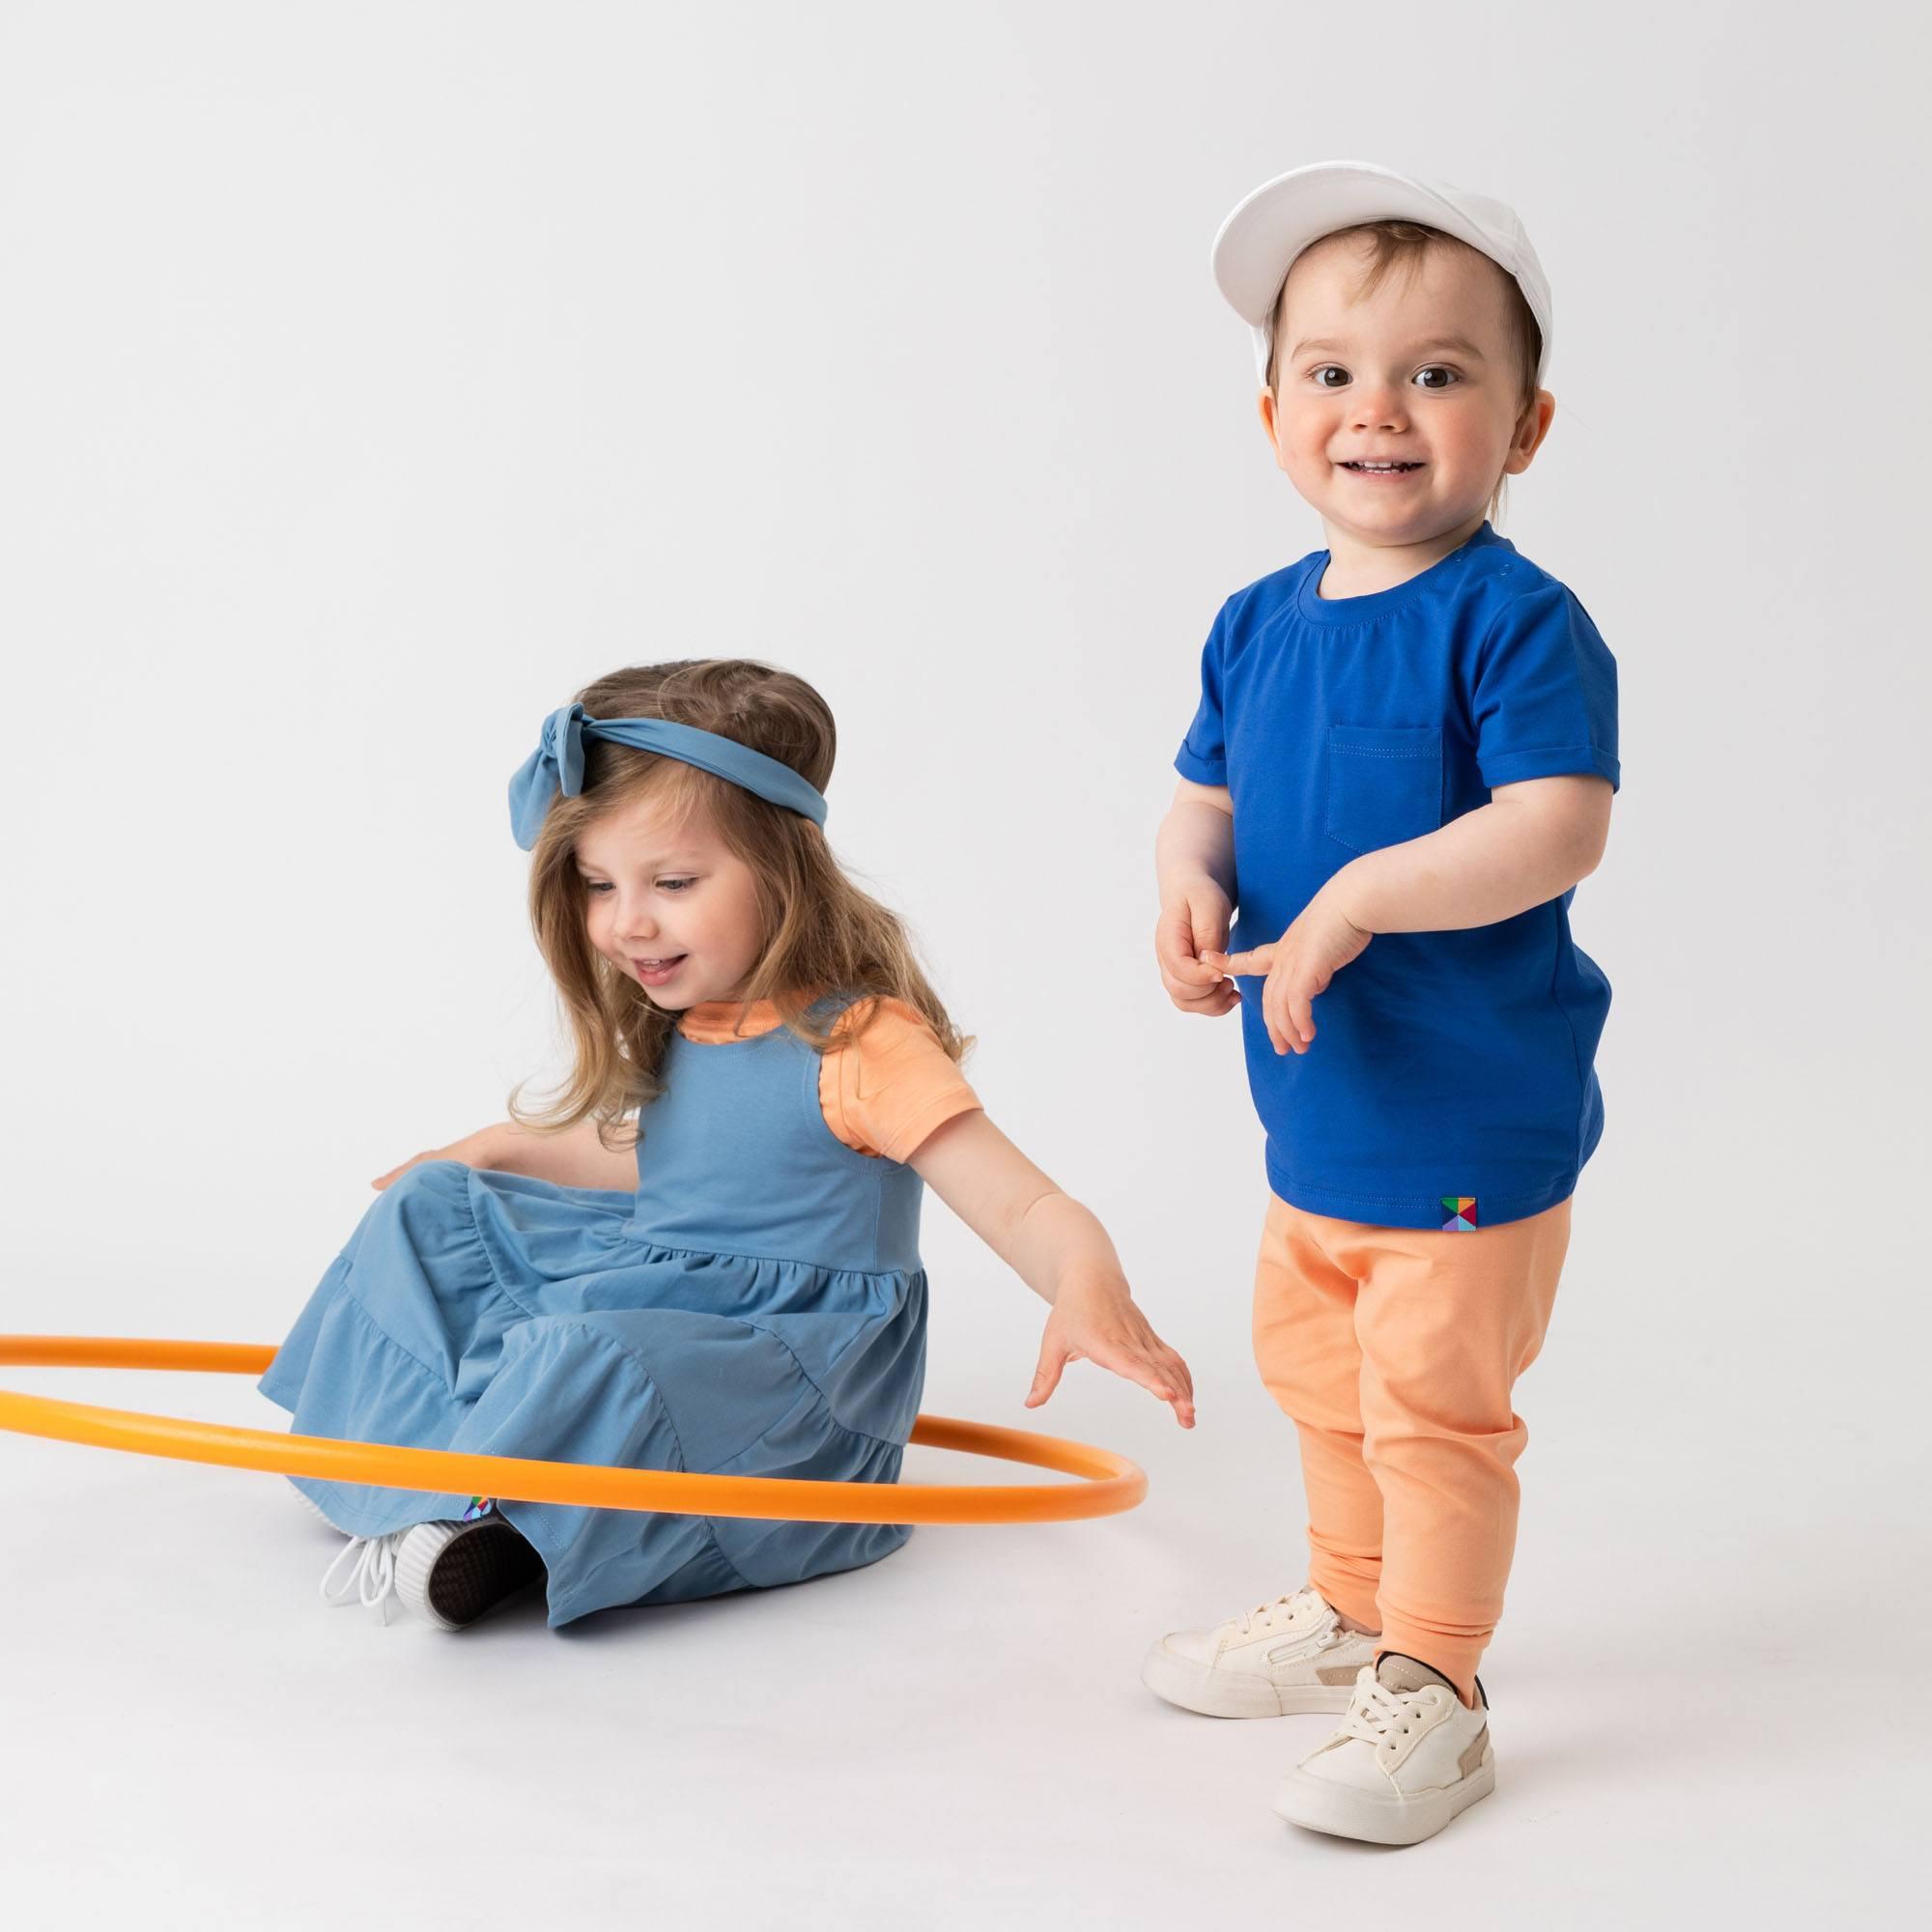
(703, 1254)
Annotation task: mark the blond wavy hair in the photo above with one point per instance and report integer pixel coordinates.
(1400, 245)
(821, 933)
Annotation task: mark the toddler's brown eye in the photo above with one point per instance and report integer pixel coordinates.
(1330, 369)
(1447, 377)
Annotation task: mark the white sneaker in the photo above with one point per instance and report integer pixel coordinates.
(364, 1571)
(1409, 1756)
(448, 1574)
(1289, 1655)
(452, 1573)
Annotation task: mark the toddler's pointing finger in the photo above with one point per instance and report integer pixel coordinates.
(1241, 965)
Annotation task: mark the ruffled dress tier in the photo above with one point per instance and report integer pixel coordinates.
(756, 1308)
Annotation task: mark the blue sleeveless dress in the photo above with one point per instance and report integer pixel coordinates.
(756, 1309)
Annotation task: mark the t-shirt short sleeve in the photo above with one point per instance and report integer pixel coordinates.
(1544, 698)
(1202, 757)
(887, 1084)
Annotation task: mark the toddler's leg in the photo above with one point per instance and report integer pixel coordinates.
(1446, 1322)
(1306, 1349)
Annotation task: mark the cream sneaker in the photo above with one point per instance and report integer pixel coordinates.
(1409, 1756)
(1289, 1655)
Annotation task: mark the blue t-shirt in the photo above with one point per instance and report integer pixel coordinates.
(1450, 1080)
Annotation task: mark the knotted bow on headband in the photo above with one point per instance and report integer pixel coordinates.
(557, 765)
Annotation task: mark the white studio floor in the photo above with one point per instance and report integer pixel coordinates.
(955, 1738)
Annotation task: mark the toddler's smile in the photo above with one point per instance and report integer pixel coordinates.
(1395, 411)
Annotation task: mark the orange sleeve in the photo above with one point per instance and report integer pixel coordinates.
(886, 1083)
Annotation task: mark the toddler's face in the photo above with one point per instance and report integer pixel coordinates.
(669, 904)
(1423, 372)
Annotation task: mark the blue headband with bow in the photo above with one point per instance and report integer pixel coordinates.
(556, 765)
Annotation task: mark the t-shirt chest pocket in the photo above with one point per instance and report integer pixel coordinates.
(1384, 784)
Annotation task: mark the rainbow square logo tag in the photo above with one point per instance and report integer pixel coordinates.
(1462, 1208)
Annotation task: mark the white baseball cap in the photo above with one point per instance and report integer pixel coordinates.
(1258, 242)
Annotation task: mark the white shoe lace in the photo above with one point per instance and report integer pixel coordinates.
(1265, 1613)
(1377, 1715)
(371, 1579)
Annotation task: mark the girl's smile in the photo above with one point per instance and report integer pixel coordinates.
(657, 972)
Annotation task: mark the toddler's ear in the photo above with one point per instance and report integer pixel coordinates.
(1531, 428)
(1271, 429)
(1266, 403)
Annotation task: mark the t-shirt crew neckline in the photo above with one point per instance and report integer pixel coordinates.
(720, 1022)
(1365, 610)
(731, 1022)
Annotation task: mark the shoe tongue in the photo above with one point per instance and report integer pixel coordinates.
(1396, 1672)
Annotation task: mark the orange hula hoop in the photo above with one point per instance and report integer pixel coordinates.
(1110, 1483)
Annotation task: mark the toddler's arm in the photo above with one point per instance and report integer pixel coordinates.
(1528, 845)
(1194, 864)
(1061, 1252)
(573, 1158)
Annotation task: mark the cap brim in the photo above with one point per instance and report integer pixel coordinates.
(1258, 242)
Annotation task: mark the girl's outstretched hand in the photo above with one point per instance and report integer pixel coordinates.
(1101, 1323)
(1059, 1251)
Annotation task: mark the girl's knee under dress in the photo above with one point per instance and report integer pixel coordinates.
(757, 1308)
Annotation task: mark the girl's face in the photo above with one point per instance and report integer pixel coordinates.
(1422, 374)
(669, 904)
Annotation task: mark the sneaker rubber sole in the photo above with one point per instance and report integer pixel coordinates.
(1343, 1812)
(482, 1564)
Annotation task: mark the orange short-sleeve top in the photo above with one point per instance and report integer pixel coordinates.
(885, 1085)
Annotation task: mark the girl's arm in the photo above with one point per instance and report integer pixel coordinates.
(1059, 1251)
(573, 1158)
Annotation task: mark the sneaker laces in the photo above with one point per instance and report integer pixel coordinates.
(371, 1579)
(1265, 1613)
(1376, 1714)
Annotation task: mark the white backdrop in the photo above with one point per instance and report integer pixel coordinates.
(373, 377)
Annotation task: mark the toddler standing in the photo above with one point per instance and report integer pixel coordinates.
(1401, 763)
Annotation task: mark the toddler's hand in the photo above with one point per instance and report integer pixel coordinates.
(1298, 965)
(477, 1150)
(1194, 920)
(1101, 1322)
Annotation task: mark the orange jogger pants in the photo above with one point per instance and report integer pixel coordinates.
(1395, 1350)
